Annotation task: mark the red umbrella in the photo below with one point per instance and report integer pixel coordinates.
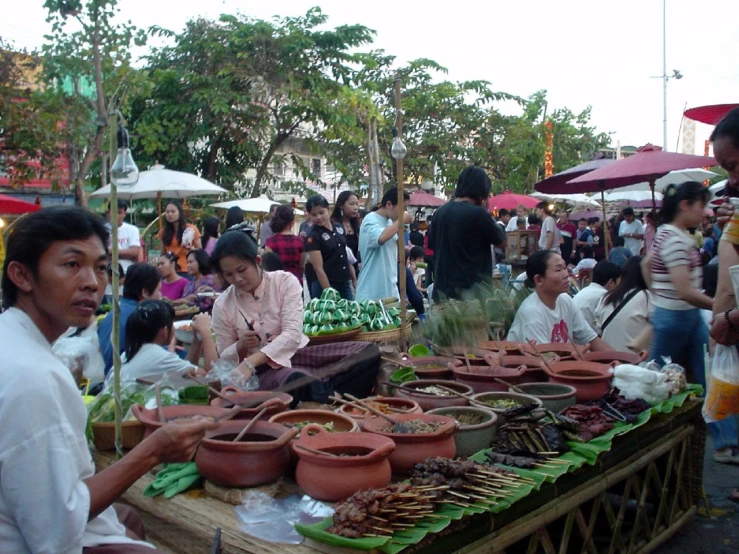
(510, 201)
(425, 200)
(710, 114)
(10, 205)
(557, 184)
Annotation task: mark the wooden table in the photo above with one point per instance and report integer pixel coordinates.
(634, 499)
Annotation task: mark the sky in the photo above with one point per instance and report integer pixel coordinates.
(583, 52)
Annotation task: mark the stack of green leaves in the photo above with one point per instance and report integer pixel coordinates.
(330, 314)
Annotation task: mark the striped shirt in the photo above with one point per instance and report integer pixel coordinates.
(673, 247)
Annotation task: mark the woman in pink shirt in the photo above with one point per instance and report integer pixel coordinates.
(258, 323)
(649, 231)
(173, 286)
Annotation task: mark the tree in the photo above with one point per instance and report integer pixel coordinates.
(97, 53)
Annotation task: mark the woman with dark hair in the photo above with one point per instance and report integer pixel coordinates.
(549, 236)
(258, 323)
(234, 216)
(198, 267)
(461, 236)
(326, 247)
(346, 218)
(173, 286)
(550, 315)
(626, 311)
(149, 333)
(211, 231)
(178, 236)
(289, 248)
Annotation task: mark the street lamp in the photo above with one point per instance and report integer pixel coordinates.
(398, 150)
(676, 74)
(123, 172)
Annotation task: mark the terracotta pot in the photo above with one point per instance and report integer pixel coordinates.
(413, 448)
(590, 379)
(432, 367)
(474, 354)
(508, 347)
(342, 423)
(240, 397)
(482, 378)
(366, 468)
(521, 399)
(428, 402)
(565, 351)
(261, 457)
(554, 396)
(533, 372)
(405, 404)
(150, 418)
(622, 357)
(471, 438)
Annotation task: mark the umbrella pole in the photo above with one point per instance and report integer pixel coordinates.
(401, 223)
(605, 221)
(654, 201)
(159, 209)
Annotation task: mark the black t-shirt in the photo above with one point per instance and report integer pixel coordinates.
(461, 237)
(416, 238)
(331, 243)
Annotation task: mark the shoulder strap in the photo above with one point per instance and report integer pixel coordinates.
(615, 312)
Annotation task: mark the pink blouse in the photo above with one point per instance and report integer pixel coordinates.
(276, 312)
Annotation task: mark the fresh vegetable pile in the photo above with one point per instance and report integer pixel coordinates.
(332, 314)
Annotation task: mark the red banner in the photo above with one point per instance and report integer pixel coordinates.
(549, 141)
(705, 153)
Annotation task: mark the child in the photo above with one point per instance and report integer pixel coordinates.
(150, 329)
(534, 223)
(587, 261)
(521, 223)
(417, 266)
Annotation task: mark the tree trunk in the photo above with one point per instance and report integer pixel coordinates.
(210, 171)
(262, 171)
(90, 156)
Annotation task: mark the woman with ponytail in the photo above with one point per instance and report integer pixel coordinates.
(289, 248)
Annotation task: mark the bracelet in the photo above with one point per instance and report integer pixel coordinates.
(728, 320)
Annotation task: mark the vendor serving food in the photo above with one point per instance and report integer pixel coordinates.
(51, 499)
(258, 323)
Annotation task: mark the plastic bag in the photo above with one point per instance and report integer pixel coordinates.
(81, 354)
(639, 382)
(722, 400)
(227, 372)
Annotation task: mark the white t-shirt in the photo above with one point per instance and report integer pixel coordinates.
(585, 263)
(549, 226)
(152, 359)
(513, 224)
(635, 228)
(44, 457)
(629, 322)
(673, 247)
(587, 301)
(536, 321)
(128, 236)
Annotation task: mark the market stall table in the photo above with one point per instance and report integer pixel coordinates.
(633, 499)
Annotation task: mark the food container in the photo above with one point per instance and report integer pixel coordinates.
(508, 347)
(150, 418)
(405, 404)
(413, 448)
(554, 396)
(240, 397)
(621, 357)
(519, 399)
(470, 438)
(103, 435)
(482, 378)
(591, 380)
(365, 467)
(183, 331)
(428, 402)
(432, 367)
(565, 351)
(259, 458)
(533, 372)
(342, 423)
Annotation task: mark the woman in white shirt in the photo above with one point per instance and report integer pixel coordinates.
(625, 312)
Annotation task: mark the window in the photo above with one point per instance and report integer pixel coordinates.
(316, 167)
(277, 168)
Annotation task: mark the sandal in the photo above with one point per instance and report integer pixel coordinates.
(726, 457)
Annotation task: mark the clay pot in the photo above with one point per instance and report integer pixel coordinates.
(473, 354)
(259, 458)
(428, 402)
(150, 418)
(508, 347)
(432, 367)
(342, 423)
(471, 438)
(622, 357)
(521, 399)
(591, 380)
(533, 372)
(482, 378)
(565, 351)
(554, 396)
(366, 468)
(405, 404)
(240, 397)
(413, 448)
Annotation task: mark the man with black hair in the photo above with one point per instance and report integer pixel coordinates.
(606, 276)
(129, 239)
(461, 236)
(142, 283)
(632, 231)
(378, 247)
(619, 254)
(51, 498)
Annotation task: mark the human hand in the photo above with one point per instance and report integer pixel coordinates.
(407, 218)
(724, 213)
(412, 266)
(201, 324)
(249, 340)
(177, 441)
(722, 332)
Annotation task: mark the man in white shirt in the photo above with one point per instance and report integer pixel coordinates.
(549, 315)
(129, 239)
(521, 211)
(606, 276)
(51, 499)
(632, 230)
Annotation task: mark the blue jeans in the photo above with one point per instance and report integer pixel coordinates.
(344, 289)
(682, 335)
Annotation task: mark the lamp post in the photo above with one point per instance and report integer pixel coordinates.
(665, 77)
(123, 173)
(398, 151)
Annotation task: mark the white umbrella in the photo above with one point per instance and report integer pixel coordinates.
(674, 178)
(260, 205)
(624, 194)
(166, 183)
(574, 199)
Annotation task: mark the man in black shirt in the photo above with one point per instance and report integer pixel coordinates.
(461, 236)
(416, 237)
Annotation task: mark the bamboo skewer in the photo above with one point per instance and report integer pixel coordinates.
(543, 359)
(577, 350)
(357, 404)
(314, 451)
(514, 388)
(249, 425)
(459, 394)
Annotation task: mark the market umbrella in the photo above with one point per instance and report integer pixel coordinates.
(675, 178)
(159, 182)
(260, 205)
(631, 195)
(709, 114)
(573, 199)
(509, 201)
(10, 205)
(557, 184)
(425, 200)
(648, 204)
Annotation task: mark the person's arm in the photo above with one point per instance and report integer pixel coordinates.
(282, 347)
(130, 253)
(639, 232)
(599, 345)
(646, 268)
(316, 260)
(725, 298)
(353, 275)
(550, 236)
(392, 230)
(680, 277)
(201, 326)
(414, 296)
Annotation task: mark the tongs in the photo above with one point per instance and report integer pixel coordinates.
(610, 411)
